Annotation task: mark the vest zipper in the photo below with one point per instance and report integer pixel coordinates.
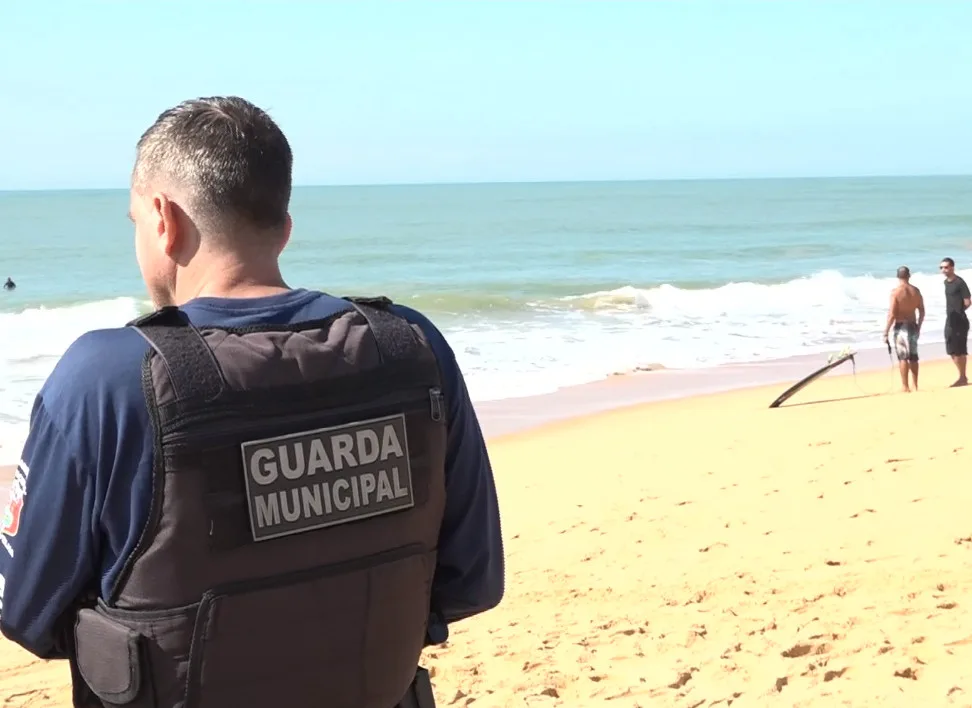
(437, 399)
(194, 426)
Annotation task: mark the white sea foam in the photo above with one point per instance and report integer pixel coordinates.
(617, 330)
(555, 343)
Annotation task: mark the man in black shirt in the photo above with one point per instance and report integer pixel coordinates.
(957, 301)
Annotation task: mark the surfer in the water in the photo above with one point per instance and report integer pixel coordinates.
(9, 285)
(906, 300)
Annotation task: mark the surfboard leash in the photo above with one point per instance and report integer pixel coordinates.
(871, 393)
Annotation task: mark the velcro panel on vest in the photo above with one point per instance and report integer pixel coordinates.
(380, 485)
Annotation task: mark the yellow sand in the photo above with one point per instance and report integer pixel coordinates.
(710, 551)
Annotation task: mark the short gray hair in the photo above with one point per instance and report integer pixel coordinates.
(231, 158)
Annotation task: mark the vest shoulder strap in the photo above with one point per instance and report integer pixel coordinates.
(190, 362)
(394, 335)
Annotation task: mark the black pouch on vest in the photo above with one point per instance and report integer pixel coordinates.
(111, 661)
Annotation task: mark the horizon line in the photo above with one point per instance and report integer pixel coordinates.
(514, 182)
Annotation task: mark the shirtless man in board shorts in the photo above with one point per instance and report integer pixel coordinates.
(906, 300)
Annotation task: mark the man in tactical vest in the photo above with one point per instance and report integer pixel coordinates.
(256, 495)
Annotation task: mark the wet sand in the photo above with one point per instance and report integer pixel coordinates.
(514, 415)
(708, 550)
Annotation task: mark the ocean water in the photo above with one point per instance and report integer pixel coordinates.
(536, 286)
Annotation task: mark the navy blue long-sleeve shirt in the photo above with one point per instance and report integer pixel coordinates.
(82, 492)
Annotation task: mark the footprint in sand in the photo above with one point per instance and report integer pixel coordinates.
(683, 678)
(798, 650)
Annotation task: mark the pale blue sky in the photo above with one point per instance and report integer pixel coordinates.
(412, 91)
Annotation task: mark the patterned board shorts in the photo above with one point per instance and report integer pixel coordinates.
(906, 341)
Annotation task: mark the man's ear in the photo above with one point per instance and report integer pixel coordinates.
(169, 230)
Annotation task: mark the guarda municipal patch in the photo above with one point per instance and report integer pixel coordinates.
(317, 478)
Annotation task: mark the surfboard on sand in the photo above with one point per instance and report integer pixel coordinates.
(807, 380)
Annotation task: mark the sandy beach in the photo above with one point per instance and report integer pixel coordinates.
(710, 551)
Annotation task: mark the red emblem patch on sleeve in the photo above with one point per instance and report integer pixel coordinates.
(10, 523)
(11, 517)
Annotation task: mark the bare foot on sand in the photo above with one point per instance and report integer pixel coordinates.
(960, 382)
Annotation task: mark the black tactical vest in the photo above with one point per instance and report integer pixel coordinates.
(289, 553)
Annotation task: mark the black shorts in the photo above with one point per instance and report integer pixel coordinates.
(957, 335)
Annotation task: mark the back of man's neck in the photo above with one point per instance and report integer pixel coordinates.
(242, 290)
(234, 283)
